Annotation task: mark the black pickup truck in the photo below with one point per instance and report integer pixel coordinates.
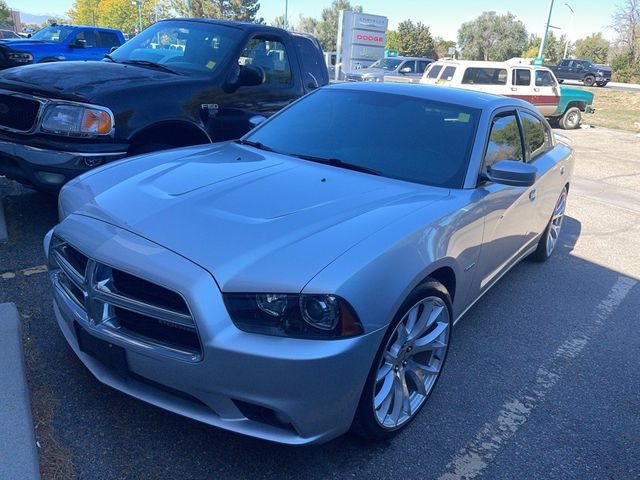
(582, 71)
(179, 82)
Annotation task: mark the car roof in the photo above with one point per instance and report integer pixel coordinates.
(93, 27)
(481, 63)
(459, 96)
(412, 58)
(229, 23)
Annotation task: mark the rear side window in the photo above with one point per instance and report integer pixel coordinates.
(544, 79)
(434, 71)
(447, 74)
(521, 77)
(505, 140)
(107, 39)
(536, 135)
(485, 76)
(312, 62)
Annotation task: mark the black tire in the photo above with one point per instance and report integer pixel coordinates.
(601, 84)
(571, 119)
(142, 148)
(589, 80)
(546, 245)
(365, 423)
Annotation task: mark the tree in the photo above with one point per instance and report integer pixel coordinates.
(121, 14)
(84, 12)
(327, 28)
(307, 25)
(626, 21)
(241, 10)
(553, 47)
(442, 47)
(492, 37)
(199, 8)
(5, 15)
(278, 22)
(392, 40)
(415, 40)
(594, 48)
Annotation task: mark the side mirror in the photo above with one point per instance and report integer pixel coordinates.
(113, 49)
(405, 70)
(256, 120)
(579, 66)
(513, 173)
(78, 43)
(250, 76)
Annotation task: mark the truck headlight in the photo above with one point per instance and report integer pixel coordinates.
(20, 57)
(77, 120)
(291, 315)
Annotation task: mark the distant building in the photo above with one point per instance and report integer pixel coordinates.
(15, 18)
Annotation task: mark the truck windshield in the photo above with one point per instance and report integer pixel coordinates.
(180, 45)
(396, 136)
(53, 33)
(386, 64)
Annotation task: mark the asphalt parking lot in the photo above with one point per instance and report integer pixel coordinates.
(542, 379)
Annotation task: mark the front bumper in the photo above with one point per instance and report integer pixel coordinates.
(280, 389)
(48, 169)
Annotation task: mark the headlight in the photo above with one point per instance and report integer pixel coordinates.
(77, 120)
(20, 57)
(298, 316)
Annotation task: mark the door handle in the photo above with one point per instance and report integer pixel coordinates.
(532, 194)
(513, 89)
(536, 89)
(562, 170)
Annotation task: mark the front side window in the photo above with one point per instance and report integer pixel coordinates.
(537, 136)
(401, 137)
(505, 141)
(485, 76)
(180, 45)
(544, 79)
(565, 63)
(411, 65)
(388, 64)
(521, 77)
(88, 37)
(271, 56)
(434, 71)
(55, 34)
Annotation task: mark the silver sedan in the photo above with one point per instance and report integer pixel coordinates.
(305, 279)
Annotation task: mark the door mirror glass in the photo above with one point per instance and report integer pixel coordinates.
(513, 173)
(78, 43)
(405, 70)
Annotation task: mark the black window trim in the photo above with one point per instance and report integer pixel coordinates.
(500, 112)
(523, 134)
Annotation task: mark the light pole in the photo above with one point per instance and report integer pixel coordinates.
(139, 5)
(540, 59)
(566, 45)
(286, 14)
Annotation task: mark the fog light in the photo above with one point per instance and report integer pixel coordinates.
(51, 178)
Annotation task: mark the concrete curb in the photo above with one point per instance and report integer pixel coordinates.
(18, 452)
(4, 236)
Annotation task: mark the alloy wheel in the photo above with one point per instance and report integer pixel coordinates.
(411, 363)
(556, 223)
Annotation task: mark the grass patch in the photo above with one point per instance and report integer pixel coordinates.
(614, 109)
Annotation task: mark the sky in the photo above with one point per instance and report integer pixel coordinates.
(444, 18)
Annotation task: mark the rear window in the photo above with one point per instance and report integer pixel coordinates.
(447, 74)
(485, 76)
(434, 71)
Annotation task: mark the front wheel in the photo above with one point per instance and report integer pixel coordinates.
(549, 238)
(589, 80)
(408, 363)
(571, 118)
(601, 84)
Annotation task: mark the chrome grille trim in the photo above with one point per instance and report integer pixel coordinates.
(100, 300)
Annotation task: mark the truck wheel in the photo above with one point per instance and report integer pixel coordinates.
(589, 80)
(571, 119)
(601, 84)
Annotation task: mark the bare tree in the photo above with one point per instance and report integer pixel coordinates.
(626, 21)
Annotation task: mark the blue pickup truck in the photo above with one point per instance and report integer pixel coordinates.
(60, 42)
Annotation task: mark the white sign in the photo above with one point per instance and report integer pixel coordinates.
(361, 40)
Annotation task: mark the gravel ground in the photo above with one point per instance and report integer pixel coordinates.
(541, 381)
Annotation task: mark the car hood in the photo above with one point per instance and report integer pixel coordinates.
(83, 80)
(370, 71)
(253, 219)
(18, 44)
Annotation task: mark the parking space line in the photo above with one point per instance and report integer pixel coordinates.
(27, 272)
(474, 457)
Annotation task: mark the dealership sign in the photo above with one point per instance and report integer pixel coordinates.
(361, 40)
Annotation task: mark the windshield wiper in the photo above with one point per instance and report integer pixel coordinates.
(107, 56)
(258, 145)
(336, 162)
(147, 63)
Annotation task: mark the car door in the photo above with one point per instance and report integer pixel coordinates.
(84, 46)
(282, 85)
(507, 208)
(546, 92)
(521, 85)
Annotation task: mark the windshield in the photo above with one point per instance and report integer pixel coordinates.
(386, 64)
(180, 45)
(53, 34)
(396, 136)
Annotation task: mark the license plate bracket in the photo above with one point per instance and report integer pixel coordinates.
(110, 355)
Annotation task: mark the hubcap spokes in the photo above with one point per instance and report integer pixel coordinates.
(411, 362)
(556, 223)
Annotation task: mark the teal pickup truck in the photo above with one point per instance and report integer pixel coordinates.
(573, 103)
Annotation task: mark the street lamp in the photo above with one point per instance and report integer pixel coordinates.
(566, 45)
(286, 14)
(139, 5)
(539, 60)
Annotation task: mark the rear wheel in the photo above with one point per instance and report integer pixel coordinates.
(408, 363)
(571, 119)
(589, 80)
(549, 239)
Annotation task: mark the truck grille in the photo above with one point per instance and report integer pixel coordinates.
(17, 112)
(124, 306)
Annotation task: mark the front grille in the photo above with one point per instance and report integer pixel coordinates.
(123, 305)
(18, 113)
